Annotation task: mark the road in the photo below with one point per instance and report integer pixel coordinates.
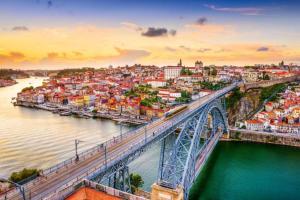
(77, 171)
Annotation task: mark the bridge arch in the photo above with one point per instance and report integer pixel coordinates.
(181, 166)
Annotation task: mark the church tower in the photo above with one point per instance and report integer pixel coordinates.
(180, 63)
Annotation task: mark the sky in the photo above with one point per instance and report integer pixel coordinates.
(51, 34)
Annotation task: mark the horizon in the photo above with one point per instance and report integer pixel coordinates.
(59, 34)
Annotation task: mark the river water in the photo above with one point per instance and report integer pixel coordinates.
(250, 171)
(40, 139)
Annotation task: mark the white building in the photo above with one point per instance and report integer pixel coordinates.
(254, 125)
(157, 83)
(172, 72)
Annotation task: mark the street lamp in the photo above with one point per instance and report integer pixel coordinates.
(76, 149)
(20, 187)
(121, 129)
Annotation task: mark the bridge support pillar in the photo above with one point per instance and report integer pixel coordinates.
(162, 193)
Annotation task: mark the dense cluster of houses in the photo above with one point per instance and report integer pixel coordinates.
(281, 116)
(114, 89)
(7, 82)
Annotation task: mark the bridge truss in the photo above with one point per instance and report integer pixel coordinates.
(178, 166)
(181, 166)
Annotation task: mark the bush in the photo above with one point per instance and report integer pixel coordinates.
(21, 175)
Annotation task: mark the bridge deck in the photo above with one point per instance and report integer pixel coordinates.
(87, 165)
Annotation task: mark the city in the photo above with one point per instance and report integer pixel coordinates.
(114, 106)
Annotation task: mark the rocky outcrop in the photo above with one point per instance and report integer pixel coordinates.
(247, 104)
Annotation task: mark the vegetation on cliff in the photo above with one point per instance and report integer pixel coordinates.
(271, 92)
(235, 96)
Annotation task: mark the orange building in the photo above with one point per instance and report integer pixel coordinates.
(86, 193)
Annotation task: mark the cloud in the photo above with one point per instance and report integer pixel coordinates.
(49, 3)
(157, 32)
(201, 21)
(11, 57)
(241, 10)
(172, 32)
(77, 53)
(185, 48)
(170, 49)
(123, 56)
(131, 54)
(203, 50)
(263, 49)
(132, 26)
(20, 28)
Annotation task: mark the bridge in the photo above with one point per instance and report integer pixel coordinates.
(199, 128)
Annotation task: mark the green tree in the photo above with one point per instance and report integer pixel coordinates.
(214, 72)
(272, 90)
(185, 71)
(234, 98)
(21, 175)
(136, 181)
(27, 89)
(185, 97)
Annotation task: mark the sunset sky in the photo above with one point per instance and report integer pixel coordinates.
(50, 34)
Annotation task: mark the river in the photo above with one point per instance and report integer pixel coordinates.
(238, 170)
(40, 139)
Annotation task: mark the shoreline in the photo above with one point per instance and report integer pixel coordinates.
(237, 135)
(64, 111)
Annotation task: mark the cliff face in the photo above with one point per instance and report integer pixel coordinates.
(248, 103)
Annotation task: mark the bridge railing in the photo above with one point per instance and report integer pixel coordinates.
(34, 179)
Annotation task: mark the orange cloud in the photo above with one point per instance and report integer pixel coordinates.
(11, 57)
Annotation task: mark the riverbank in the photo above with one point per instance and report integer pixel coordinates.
(264, 137)
(67, 111)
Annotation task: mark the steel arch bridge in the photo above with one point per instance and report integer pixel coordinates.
(199, 132)
(196, 140)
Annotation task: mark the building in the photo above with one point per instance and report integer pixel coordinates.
(157, 83)
(250, 76)
(172, 72)
(254, 125)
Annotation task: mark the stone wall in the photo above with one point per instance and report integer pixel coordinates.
(264, 137)
(269, 83)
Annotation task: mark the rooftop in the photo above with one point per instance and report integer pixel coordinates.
(86, 193)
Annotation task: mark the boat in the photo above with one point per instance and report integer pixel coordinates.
(65, 113)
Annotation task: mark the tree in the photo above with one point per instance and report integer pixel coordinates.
(185, 97)
(185, 71)
(27, 89)
(21, 175)
(267, 77)
(136, 181)
(214, 72)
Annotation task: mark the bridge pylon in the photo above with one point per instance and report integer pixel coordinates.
(159, 192)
